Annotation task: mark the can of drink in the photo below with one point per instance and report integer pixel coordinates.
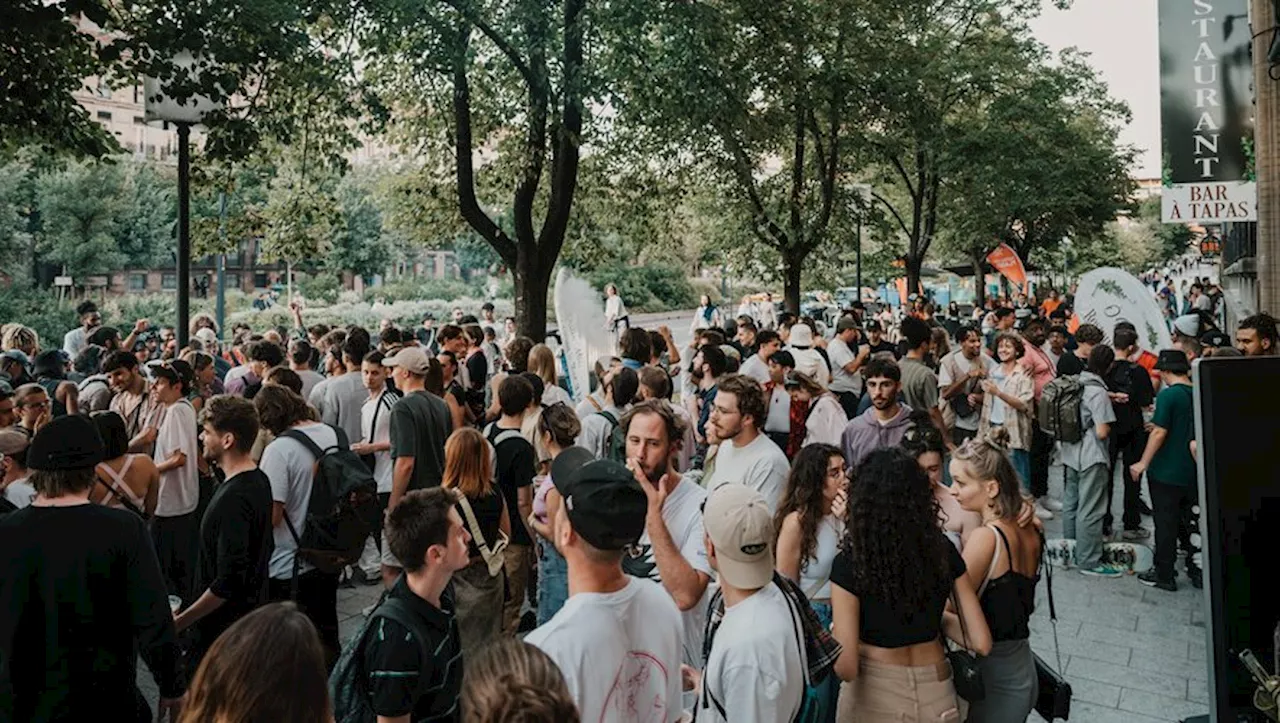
(175, 604)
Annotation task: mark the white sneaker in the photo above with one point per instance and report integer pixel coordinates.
(1050, 503)
(1043, 514)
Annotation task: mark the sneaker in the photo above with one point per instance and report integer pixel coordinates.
(1043, 514)
(1150, 579)
(1141, 533)
(1197, 579)
(1051, 504)
(1144, 509)
(1103, 571)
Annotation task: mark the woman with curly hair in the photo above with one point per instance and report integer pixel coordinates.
(1007, 403)
(1003, 559)
(890, 583)
(809, 526)
(512, 681)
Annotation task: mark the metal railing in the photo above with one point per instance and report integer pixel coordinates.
(1241, 242)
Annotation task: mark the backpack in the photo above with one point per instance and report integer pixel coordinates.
(347, 684)
(1059, 410)
(343, 510)
(615, 447)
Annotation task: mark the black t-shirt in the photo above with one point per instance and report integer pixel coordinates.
(488, 512)
(516, 467)
(882, 346)
(1129, 378)
(81, 595)
(235, 547)
(886, 625)
(478, 369)
(394, 665)
(1070, 365)
(420, 424)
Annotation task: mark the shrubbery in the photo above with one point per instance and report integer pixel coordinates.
(648, 288)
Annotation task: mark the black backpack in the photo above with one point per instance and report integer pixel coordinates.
(615, 447)
(347, 683)
(343, 510)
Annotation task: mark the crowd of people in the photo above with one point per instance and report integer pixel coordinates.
(768, 524)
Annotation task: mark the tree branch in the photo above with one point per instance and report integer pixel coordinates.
(464, 8)
(892, 210)
(565, 161)
(467, 203)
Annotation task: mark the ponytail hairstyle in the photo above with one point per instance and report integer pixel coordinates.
(988, 460)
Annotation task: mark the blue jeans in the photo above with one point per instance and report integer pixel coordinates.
(1021, 460)
(1084, 504)
(553, 581)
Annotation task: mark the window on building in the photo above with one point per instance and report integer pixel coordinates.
(233, 281)
(104, 115)
(137, 282)
(168, 281)
(260, 280)
(139, 120)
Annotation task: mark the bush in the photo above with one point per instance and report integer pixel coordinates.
(648, 288)
(40, 310)
(423, 290)
(405, 314)
(320, 287)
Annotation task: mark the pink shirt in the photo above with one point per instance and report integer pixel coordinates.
(1037, 364)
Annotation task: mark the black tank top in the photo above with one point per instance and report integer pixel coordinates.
(1009, 600)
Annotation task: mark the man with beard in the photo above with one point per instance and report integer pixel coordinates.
(746, 455)
(1257, 336)
(708, 366)
(886, 422)
(78, 338)
(960, 377)
(132, 401)
(671, 549)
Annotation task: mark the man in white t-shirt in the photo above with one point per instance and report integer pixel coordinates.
(375, 442)
(289, 462)
(617, 638)
(746, 455)
(755, 670)
(176, 527)
(757, 365)
(960, 379)
(846, 382)
(670, 550)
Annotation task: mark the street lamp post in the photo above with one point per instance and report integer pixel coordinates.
(863, 192)
(162, 108)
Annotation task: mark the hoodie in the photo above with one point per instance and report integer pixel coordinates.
(865, 434)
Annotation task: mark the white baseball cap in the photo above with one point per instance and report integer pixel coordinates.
(738, 521)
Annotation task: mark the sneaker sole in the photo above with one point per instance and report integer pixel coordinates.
(1092, 573)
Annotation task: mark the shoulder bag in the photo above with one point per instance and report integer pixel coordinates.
(493, 557)
(1054, 699)
(965, 673)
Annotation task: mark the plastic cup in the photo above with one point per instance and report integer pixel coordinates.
(175, 604)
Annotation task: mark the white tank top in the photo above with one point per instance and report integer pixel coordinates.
(815, 579)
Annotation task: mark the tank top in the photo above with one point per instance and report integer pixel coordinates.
(1008, 600)
(815, 578)
(120, 488)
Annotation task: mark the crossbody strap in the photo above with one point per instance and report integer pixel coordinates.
(476, 535)
(995, 559)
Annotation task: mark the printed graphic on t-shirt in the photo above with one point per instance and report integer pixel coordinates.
(640, 691)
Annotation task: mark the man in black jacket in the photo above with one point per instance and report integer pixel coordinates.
(1131, 392)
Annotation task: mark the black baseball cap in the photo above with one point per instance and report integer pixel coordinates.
(605, 504)
(873, 325)
(1215, 339)
(1173, 360)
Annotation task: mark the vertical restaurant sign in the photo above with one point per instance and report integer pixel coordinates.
(1206, 112)
(1005, 260)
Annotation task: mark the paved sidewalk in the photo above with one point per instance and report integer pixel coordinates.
(1132, 654)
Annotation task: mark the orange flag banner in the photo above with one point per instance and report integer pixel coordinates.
(1005, 260)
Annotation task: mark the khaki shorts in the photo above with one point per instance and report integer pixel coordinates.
(902, 694)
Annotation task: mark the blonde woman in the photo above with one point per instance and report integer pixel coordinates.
(468, 469)
(542, 361)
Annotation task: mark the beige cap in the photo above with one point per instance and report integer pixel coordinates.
(738, 521)
(411, 358)
(13, 441)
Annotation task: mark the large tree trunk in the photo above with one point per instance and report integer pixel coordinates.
(914, 264)
(532, 277)
(792, 267)
(979, 281)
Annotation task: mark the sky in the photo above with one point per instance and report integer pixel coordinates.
(1122, 40)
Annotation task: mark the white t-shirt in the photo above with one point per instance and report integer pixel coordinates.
(290, 467)
(755, 368)
(310, 378)
(378, 411)
(809, 361)
(756, 667)
(316, 397)
(179, 488)
(956, 364)
(779, 411)
(343, 399)
(841, 356)
(682, 514)
(20, 493)
(596, 431)
(554, 394)
(619, 653)
(760, 465)
(826, 422)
